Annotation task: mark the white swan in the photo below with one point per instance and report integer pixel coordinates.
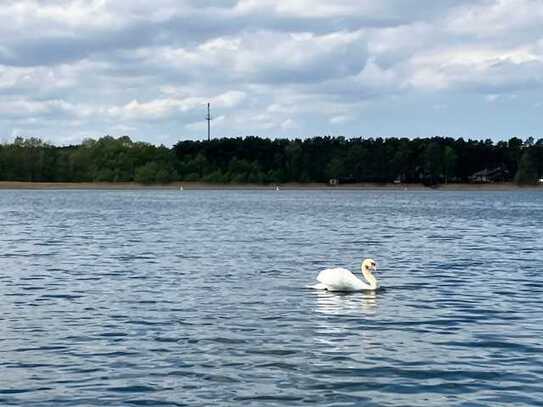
(340, 279)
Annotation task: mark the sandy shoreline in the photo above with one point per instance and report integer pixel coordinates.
(287, 186)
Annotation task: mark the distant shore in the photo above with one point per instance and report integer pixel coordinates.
(505, 186)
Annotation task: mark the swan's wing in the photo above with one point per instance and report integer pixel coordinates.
(340, 279)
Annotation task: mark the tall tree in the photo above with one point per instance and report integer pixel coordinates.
(449, 162)
(433, 164)
(527, 170)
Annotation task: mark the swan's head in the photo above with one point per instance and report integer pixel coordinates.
(369, 265)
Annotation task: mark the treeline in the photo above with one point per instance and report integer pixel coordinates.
(258, 160)
(108, 159)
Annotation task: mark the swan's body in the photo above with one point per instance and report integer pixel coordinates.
(340, 279)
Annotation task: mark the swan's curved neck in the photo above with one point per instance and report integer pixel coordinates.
(370, 278)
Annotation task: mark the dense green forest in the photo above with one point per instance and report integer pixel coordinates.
(258, 160)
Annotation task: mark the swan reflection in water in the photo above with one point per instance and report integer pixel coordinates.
(340, 303)
(342, 330)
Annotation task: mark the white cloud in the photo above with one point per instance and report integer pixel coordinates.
(266, 57)
(28, 108)
(476, 69)
(496, 18)
(340, 119)
(307, 8)
(289, 124)
(159, 109)
(229, 99)
(73, 68)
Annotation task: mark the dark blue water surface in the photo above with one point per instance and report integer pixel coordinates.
(197, 298)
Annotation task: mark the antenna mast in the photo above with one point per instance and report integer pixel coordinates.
(208, 118)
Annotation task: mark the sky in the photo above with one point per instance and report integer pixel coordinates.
(74, 69)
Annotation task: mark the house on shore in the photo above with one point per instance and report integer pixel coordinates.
(485, 176)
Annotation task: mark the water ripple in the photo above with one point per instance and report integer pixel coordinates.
(179, 299)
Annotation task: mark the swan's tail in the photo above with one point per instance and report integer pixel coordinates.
(318, 286)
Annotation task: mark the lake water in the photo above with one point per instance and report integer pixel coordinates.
(197, 298)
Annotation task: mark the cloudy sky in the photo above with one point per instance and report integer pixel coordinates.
(71, 69)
